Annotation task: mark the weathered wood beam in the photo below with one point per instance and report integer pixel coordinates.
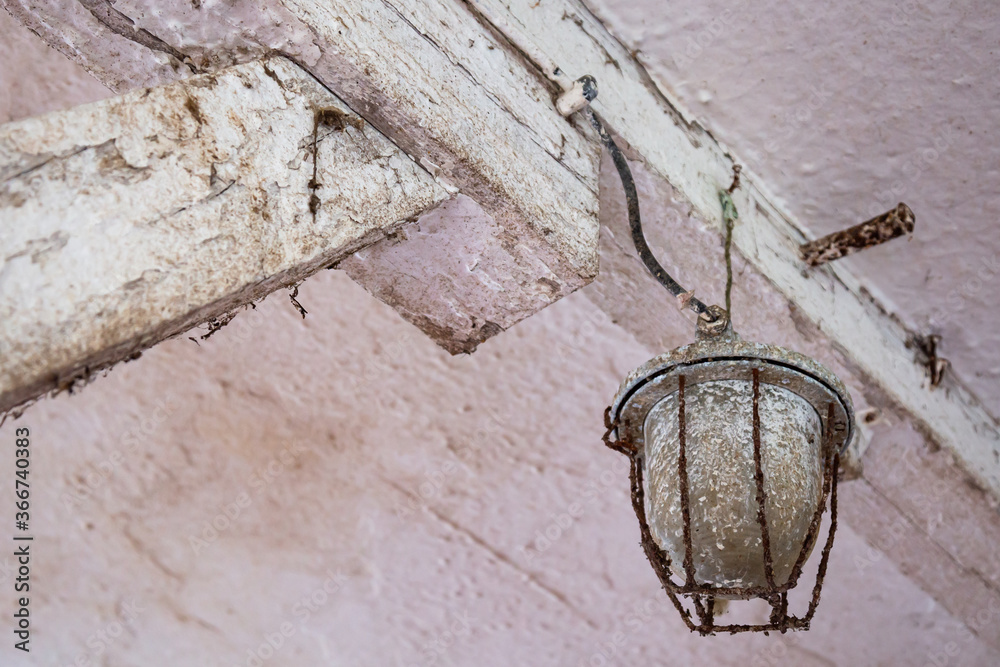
(695, 163)
(438, 83)
(126, 221)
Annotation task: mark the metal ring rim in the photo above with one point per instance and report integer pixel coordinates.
(735, 350)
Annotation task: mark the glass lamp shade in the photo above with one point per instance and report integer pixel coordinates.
(726, 538)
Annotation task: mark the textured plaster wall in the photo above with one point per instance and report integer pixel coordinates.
(348, 446)
(35, 80)
(846, 109)
(390, 503)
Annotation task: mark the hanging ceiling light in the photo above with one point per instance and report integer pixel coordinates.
(734, 450)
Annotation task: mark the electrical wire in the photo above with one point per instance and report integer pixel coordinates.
(635, 223)
(578, 98)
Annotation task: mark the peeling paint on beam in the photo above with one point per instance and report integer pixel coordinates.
(130, 220)
(430, 77)
(696, 164)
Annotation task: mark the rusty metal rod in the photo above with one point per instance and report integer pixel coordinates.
(879, 229)
(825, 556)
(682, 474)
(814, 524)
(656, 556)
(759, 478)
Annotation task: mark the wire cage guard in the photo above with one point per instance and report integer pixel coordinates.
(672, 377)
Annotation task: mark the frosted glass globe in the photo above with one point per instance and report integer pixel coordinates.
(722, 490)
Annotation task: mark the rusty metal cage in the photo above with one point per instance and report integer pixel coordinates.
(720, 356)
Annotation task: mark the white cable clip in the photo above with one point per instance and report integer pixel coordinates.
(582, 92)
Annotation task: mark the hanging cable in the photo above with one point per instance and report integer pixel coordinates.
(577, 96)
(635, 222)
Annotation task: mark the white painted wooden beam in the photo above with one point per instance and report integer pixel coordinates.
(699, 166)
(434, 80)
(130, 220)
